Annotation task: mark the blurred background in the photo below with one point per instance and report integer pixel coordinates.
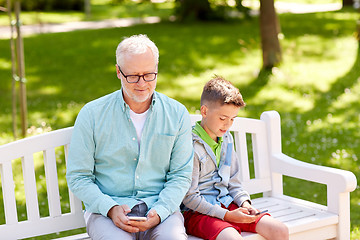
(298, 57)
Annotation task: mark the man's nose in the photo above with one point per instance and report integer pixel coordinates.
(141, 81)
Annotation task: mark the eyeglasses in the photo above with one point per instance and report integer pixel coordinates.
(148, 77)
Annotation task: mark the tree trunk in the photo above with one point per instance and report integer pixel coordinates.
(87, 8)
(21, 70)
(347, 2)
(13, 68)
(269, 30)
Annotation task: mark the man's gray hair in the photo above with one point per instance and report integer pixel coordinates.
(136, 44)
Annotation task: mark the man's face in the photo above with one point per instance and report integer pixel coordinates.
(140, 64)
(217, 118)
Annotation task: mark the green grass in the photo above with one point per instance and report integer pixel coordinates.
(100, 10)
(316, 90)
(105, 9)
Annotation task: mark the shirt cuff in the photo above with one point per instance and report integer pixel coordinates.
(241, 200)
(106, 204)
(220, 212)
(162, 212)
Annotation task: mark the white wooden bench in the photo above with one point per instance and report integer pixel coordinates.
(306, 220)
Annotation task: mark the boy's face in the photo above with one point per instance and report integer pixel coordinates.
(217, 118)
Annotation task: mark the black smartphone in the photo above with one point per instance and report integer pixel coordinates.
(261, 212)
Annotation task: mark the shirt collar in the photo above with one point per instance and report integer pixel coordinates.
(200, 131)
(124, 105)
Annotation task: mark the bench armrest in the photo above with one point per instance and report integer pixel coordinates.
(340, 180)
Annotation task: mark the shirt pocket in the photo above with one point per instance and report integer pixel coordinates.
(161, 147)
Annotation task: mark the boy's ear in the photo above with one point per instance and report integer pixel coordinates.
(203, 110)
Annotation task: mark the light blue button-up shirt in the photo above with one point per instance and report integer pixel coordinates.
(106, 166)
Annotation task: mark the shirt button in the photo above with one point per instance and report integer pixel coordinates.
(137, 177)
(134, 159)
(134, 139)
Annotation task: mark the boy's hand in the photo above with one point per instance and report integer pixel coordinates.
(240, 215)
(251, 209)
(153, 219)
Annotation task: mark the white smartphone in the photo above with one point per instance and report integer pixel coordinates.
(135, 218)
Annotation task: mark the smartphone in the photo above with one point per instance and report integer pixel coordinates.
(261, 212)
(135, 218)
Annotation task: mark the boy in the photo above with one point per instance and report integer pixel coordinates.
(216, 205)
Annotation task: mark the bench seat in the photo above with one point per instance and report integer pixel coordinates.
(263, 165)
(297, 215)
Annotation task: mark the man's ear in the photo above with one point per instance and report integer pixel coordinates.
(203, 110)
(118, 74)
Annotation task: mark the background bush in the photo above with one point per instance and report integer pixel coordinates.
(48, 5)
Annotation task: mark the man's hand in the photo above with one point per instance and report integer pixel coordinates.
(240, 215)
(153, 219)
(118, 215)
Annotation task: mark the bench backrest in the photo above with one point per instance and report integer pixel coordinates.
(53, 147)
(27, 150)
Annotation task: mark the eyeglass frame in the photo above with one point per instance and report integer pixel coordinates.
(139, 76)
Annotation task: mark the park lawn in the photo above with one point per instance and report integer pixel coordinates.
(107, 9)
(316, 90)
(100, 10)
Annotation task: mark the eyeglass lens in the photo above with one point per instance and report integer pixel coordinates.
(146, 77)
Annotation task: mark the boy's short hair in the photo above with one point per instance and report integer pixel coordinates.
(221, 91)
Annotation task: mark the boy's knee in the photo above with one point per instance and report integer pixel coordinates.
(283, 232)
(229, 233)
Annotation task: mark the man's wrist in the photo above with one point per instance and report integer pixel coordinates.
(111, 210)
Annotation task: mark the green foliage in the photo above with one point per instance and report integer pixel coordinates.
(316, 90)
(194, 10)
(189, 10)
(48, 5)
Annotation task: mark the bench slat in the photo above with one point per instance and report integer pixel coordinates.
(8, 188)
(257, 185)
(241, 149)
(32, 204)
(82, 236)
(326, 232)
(246, 124)
(75, 204)
(297, 215)
(52, 182)
(44, 225)
(282, 213)
(259, 147)
(34, 144)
